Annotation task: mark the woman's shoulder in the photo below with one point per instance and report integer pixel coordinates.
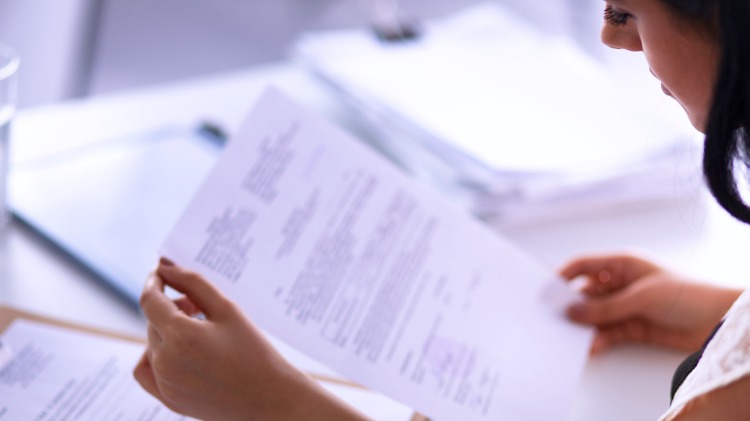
(726, 403)
(723, 372)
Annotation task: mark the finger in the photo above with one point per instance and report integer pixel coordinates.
(604, 283)
(641, 331)
(675, 339)
(606, 309)
(624, 266)
(610, 336)
(144, 375)
(187, 306)
(601, 344)
(606, 274)
(632, 331)
(157, 307)
(586, 265)
(195, 287)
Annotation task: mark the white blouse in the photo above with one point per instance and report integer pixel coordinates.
(725, 359)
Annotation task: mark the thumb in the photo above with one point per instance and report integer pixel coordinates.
(196, 288)
(607, 309)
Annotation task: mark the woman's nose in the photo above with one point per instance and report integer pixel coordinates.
(621, 37)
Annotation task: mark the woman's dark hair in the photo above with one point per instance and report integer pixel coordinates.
(727, 130)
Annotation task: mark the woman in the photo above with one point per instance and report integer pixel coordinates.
(700, 51)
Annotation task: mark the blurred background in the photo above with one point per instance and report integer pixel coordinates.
(75, 48)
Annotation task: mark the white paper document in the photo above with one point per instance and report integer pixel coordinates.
(328, 246)
(61, 374)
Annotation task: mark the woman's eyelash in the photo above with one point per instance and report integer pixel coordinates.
(613, 17)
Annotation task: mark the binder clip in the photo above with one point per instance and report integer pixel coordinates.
(401, 32)
(389, 25)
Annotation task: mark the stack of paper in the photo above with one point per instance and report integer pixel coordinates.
(521, 124)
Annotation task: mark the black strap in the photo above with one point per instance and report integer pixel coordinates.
(689, 364)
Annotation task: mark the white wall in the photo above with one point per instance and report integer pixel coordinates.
(149, 41)
(50, 37)
(141, 42)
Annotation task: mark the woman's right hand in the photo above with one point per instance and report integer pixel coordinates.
(220, 366)
(629, 299)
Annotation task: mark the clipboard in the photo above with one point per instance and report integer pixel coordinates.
(9, 314)
(109, 205)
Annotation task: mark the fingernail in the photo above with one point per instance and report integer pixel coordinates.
(166, 262)
(151, 280)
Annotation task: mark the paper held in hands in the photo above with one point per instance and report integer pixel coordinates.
(328, 246)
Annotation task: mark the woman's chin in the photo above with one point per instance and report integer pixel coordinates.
(699, 124)
(698, 121)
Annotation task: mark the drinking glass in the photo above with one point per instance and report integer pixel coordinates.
(9, 62)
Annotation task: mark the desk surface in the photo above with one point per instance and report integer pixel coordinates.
(628, 383)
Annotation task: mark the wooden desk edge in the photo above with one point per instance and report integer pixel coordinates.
(9, 314)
